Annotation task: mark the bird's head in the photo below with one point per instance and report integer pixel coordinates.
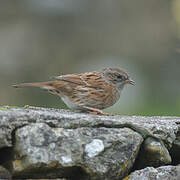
(117, 77)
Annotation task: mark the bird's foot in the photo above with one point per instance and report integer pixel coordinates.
(96, 111)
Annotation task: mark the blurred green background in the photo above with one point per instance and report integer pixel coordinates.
(43, 38)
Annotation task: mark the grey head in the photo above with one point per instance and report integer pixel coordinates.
(117, 77)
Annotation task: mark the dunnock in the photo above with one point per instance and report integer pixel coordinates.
(90, 91)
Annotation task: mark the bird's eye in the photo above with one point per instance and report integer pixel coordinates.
(120, 77)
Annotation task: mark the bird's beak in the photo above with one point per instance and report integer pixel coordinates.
(130, 81)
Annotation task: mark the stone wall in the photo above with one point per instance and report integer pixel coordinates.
(50, 143)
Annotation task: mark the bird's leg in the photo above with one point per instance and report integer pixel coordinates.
(96, 111)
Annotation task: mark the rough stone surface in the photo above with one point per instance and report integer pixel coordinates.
(160, 127)
(100, 152)
(161, 173)
(153, 153)
(51, 143)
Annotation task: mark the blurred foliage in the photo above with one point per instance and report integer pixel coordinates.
(43, 38)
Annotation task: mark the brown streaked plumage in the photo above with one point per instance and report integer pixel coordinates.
(90, 91)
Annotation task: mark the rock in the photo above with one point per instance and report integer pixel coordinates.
(51, 143)
(5, 128)
(164, 128)
(175, 150)
(153, 153)
(4, 173)
(161, 173)
(100, 152)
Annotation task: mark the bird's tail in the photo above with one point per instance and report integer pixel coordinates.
(43, 85)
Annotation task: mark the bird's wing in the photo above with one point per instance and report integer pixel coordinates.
(89, 79)
(71, 78)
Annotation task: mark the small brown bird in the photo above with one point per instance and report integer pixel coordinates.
(90, 91)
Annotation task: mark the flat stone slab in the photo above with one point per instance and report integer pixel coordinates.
(164, 128)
